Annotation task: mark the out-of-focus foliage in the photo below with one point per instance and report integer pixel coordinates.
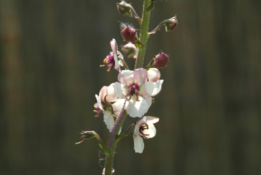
(209, 107)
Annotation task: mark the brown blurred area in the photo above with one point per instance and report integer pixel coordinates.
(209, 107)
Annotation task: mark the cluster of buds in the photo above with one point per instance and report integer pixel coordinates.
(135, 89)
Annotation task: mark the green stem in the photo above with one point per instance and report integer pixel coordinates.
(109, 160)
(143, 34)
(113, 141)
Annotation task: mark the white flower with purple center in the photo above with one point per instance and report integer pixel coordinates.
(138, 87)
(144, 129)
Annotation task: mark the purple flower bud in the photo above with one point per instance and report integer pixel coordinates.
(170, 24)
(124, 8)
(161, 60)
(129, 34)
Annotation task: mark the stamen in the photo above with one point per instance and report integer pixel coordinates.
(142, 128)
(109, 69)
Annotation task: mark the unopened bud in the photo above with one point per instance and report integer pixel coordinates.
(88, 134)
(130, 50)
(128, 34)
(170, 24)
(161, 60)
(124, 8)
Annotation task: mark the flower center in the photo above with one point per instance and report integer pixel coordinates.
(143, 127)
(109, 61)
(134, 88)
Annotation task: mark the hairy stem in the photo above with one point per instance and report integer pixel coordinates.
(143, 34)
(112, 142)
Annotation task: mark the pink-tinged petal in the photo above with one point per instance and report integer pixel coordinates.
(151, 88)
(114, 46)
(138, 108)
(125, 77)
(108, 120)
(140, 75)
(103, 93)
(114, 91)
(138, 144)
(153, 74)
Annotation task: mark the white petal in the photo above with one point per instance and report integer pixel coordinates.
(153, 74)
(152, 88)
(151, 119)
(108, 120)
(114, 49)
(118, 105)
(114, 46)
(99, 102)
(138, 144)
(138, 108)
(116, 62)
(115, 90)
(125, 77)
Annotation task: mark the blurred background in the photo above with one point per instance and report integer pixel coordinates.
(209, 107)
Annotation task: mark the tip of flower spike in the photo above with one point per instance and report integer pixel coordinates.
(124, 8)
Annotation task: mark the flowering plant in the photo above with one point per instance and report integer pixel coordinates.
(134, 92)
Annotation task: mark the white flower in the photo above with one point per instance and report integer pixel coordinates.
(138, 87)
(108, 105)
(144, 129)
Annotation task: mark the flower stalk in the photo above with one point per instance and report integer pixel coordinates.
(134, 92)
(143, 34)
(113, 141)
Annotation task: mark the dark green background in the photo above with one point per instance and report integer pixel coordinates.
(209, 107)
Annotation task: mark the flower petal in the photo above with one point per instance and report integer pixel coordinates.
(108, 120)
(114, 90)
(99, 102)
(117, 106)
(114, 49)
(103, 93)
(150, 132)
(153, 74)
(138, 144)
(140, 75)
(125, 77)
(138, 108)
(114, 46)
(151, 88)
(151, 119)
